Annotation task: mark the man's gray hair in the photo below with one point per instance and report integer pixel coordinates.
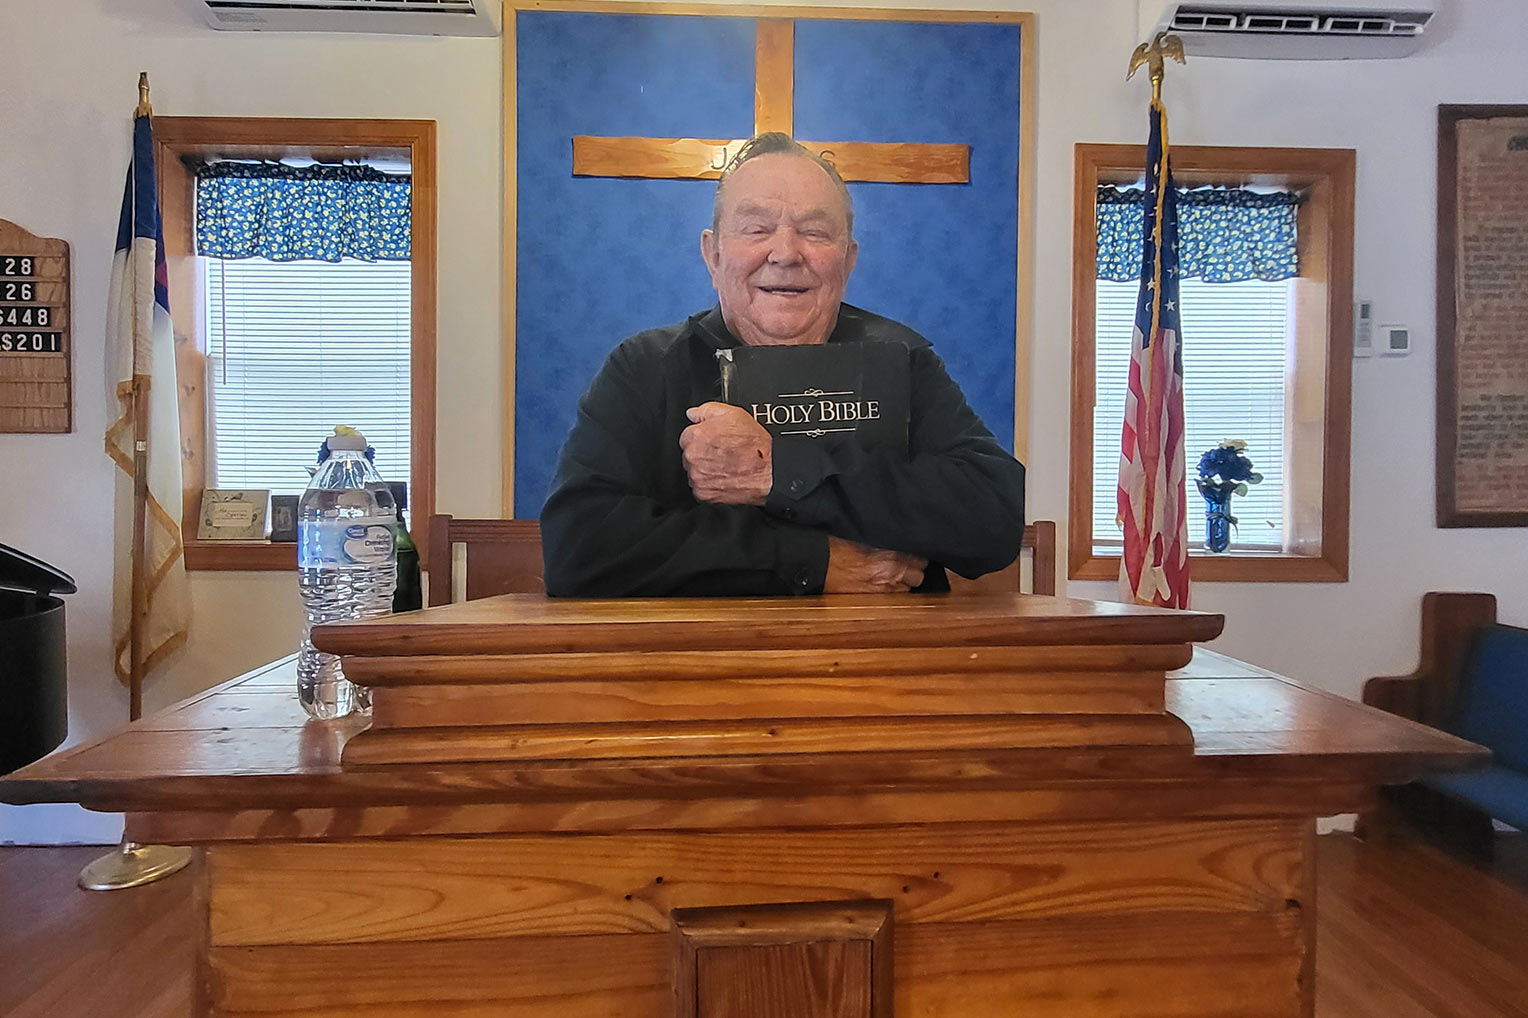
(778, 143)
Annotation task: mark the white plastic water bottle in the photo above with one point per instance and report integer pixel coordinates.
(347, 563)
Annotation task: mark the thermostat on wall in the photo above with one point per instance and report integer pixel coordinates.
(1363, 329)
(1394, 340)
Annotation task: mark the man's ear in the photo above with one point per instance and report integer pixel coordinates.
(851, 258)
(709, 253)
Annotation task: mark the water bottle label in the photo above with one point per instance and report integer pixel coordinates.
(346, 542)
(369, 543)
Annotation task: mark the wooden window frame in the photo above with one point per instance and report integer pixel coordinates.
(179, 139)
(1319, 414)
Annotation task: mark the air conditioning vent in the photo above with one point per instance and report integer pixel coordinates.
(397, 17)
(1290, 29)
(1194, 20)
(1224, 20)
(368, 6)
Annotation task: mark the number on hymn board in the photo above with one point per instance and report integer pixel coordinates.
(40, 317)
(31, 342)
(17, 265)
(18, 291)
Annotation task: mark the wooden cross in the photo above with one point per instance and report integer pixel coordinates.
(773, 110)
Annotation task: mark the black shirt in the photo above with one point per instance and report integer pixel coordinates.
(621, 520)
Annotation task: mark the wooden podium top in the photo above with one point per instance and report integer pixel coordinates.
(522, 677)
(513, 745)
(531, 623)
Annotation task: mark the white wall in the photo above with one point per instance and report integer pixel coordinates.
(67, 76)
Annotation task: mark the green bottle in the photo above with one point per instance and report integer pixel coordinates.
(408, 593)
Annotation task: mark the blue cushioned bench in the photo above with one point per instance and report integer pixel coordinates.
(1472, 682)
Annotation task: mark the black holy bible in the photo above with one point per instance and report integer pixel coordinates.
(859, 390)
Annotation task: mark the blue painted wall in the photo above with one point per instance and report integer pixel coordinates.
(600, 259)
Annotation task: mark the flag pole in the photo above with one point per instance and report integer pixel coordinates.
(140, 391)
(1154, 556)
(132, 864)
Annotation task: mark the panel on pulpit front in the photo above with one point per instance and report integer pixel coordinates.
(828, 959)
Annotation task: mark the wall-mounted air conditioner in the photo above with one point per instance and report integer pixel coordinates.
(1291, 29)
(395, 17)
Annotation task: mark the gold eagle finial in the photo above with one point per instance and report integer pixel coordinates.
(1151, 54)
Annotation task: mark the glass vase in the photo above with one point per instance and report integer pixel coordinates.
(1217, 520)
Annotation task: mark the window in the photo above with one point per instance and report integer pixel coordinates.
(272, 353)
(1266, 362)
(294, 348)
(1234, 387)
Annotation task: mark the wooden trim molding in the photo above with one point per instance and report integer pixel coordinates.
(218, 555)
(180, 138)
(509, 234)
(1321, 416)
(1024, 311)
(770, 11)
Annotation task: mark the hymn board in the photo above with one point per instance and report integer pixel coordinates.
(35, 355)
(621, 120)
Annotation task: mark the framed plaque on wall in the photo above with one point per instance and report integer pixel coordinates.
(1482, 435)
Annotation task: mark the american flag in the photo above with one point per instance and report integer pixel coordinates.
(141, 343)
(1153, 505)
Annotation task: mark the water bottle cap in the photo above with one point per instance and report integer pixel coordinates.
(348, 440)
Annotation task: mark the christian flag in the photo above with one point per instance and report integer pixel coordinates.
(1153, 507)
(141, 345)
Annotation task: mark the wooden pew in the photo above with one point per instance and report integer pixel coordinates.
(1469, 682)
(504, 557)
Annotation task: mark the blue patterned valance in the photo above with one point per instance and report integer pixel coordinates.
(1224, 236)
(295, 213)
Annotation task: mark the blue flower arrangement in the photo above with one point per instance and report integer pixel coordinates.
(1223, 471)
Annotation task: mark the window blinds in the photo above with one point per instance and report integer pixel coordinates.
(1234, 357)
(295, 348)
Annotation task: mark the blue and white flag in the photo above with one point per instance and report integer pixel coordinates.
(141, 346)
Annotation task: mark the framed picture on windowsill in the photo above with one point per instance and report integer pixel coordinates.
(233, 514)
(1482, 295)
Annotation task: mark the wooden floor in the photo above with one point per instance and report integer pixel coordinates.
(65, 952)
(1406, 931)
(1410, 931)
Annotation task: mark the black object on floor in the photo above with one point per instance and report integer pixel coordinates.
(33, 678)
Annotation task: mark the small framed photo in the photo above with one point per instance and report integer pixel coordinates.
(284, 519)
(233, 514)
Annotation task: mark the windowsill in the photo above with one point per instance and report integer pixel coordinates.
(1228, 567)
(241, 556)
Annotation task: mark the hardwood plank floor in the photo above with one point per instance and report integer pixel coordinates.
(1408, 930)
(68, 953)
(1405, 931)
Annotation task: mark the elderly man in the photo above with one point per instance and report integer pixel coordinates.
(661, 489)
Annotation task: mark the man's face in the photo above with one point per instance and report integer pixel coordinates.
(781, 254)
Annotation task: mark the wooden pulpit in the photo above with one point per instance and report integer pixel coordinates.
(808, 808)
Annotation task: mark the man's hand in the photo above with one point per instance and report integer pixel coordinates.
(727, 455)
(855, 569)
